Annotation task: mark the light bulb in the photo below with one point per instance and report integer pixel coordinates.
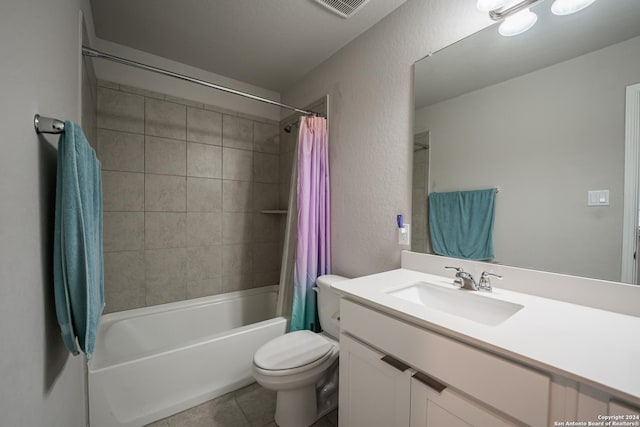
(487, 5)
(518, 23)
(567, 7)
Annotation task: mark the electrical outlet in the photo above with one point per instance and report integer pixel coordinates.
(404, 235)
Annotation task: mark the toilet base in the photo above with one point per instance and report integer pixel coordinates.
(297, 408)
(304, 394)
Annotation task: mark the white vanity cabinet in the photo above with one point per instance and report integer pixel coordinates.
(622, 409)
(470, 359)
(393, 373)
(372, 392)
(433, 406)
(378, 390)
(591, 404)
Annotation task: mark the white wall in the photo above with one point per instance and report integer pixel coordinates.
(370, 89)
(41, 384)
(559, 135)
(127, 75)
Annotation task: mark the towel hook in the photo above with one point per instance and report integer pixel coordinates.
(47, 124)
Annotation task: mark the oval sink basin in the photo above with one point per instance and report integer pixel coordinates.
(458, 302)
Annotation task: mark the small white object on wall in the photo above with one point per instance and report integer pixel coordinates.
(598, 198)
(404, 235)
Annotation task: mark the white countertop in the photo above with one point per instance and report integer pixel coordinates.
(595, 347)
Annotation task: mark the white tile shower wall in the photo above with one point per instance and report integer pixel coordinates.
(184, 184)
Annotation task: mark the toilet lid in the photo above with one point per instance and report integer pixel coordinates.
(292, 350)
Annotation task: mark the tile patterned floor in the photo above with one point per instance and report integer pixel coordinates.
(251, 406)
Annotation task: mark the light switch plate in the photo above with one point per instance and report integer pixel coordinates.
(598, 198)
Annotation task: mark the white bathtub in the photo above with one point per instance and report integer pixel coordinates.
(152, 362)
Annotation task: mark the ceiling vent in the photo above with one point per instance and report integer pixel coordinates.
(344, 8)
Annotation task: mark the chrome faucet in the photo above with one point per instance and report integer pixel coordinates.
(466, 281)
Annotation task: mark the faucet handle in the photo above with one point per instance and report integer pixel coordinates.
(457, 282)
(485, 281)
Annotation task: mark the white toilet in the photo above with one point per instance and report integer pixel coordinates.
(302, 366)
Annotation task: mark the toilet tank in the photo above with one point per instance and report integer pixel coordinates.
(329, 304)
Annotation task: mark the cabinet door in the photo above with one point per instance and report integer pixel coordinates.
(434, 405)
(372, 392)
(629, 413)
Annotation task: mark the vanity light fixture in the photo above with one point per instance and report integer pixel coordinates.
(488, 5)
(518, 23)
(517, 17)
(567, 7)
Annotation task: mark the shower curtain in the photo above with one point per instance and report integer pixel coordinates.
(313, 231)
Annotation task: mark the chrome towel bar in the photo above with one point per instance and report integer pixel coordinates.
(47, 124)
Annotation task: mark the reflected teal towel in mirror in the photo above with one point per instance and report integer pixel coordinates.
(77, 253)
(461, 223)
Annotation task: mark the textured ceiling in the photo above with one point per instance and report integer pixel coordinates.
(269, 43)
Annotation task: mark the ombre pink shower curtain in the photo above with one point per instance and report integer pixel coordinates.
(313, 235)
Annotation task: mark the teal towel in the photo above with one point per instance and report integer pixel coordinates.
(461, 223)
(77, 253)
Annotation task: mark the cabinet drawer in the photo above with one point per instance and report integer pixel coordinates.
(513, 389)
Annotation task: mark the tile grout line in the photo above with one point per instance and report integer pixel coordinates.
(235, 399)
(186, 193)
(144, 200)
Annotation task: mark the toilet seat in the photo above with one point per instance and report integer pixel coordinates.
(293, 353)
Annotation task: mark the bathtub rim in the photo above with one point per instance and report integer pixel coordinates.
(187, 303)
(147, 355)
(112, 318)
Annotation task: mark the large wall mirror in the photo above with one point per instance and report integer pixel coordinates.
(541, 117)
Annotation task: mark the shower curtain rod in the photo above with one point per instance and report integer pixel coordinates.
(86, 51)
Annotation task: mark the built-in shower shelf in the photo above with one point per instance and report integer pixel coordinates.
(274, 211)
